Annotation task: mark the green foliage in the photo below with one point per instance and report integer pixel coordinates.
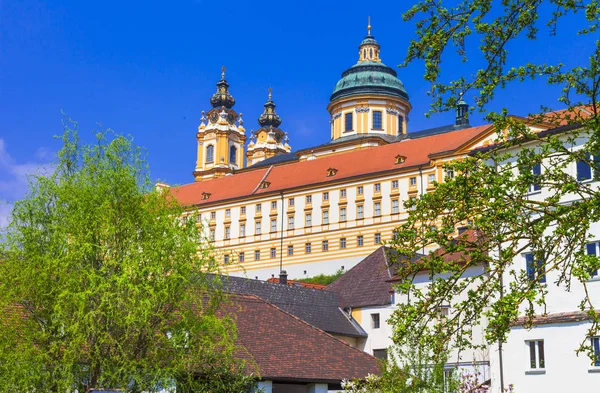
(491, 191)
(103, 285)
(323, 279)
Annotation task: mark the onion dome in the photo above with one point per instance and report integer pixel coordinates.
(369, 76)
(222, 98)
(269, 118)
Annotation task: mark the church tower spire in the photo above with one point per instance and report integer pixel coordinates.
(270, 139)
(220, 139)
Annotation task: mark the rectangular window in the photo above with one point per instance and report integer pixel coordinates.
(212, 234)
(291, 202)
(377, 209)
(257, 228)
(348, 122)
(274, 205)
(537, 358)
(199, 217)
(325, 245)
(308, 199)
(431, 178)
(377, 120)
(325, 217)
(360, 190)
(536, 171)
(258, 207)
(213, 215)
(325, 196)
(377, 187)
(242, 256)
(343, 242)
(535, 268)
(227, 233)
(342, 214)
(243, 210)
(290, 250)
(592, 249)
(342, 194)
(273, 252)
(242, 230)
(360, 240)
(375, 321)
(449, 173)
(395, 206)
(226, 259)
(584, 170)
(290, 222)
(227, 212)
(413, 181)
(380, 354)
(307, 248)
(400, 124)
(360, 212)
(308, 220)
(257, 255)
(596, 349)
(394, 184)
(377, 238)
(273, 225)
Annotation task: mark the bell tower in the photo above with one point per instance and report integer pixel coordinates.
(269, 140)
(220, 139)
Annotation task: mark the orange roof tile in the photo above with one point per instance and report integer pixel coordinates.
(351, 164)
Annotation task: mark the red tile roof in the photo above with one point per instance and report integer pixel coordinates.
(285, 347)
(292, 283)
(351, 164)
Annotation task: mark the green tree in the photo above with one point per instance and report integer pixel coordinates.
(103, 285)
(491, 190)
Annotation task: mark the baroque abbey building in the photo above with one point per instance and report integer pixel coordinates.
(324, 208)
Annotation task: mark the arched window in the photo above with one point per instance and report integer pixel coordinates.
(210, 153)
(371, 53)
(232, 155)
(364, 53)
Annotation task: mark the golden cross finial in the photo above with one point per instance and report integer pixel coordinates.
(223, 72)
(369, 27)
(270, 93)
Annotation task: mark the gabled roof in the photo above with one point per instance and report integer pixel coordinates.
(317, 307)
(367, 283)
(286, 348)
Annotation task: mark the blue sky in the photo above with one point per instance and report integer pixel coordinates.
(148, 68)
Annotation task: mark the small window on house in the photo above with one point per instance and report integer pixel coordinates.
(377, 209)
(585, 171)
(265, 184)
(375, 321)
(343, 242)
(342, 214)
(360, 214)
(257, 228)
(377, 187)
(431, 178)
(290, 250)
(243, 210)
(291, 202)
(308, 220)
(537, 359)
(360, 190)
(360, 240)
(536, 171)
(258, 207)
(205, 195)
(308, 199)
(210, 153)
(413, 181)
(400, 159)
(395, 206)
(213, 215)
(290, 222)
(227, 212)
(380, 354)
(377, 238)
(400, 124)
(325, 245)
(394, 184)
(377, 120)
(257, 255)
(212, 234)
(242, 230)
(348, 122)
(592, 249)
(536, 268)
(225, 259)
(242, 256)
(198, 217)
(273, 225)
(307, 248)
(232, 155)
(274, 205)
(325, 217)
(227, 233)
(343, 194)
(273, 252)
(596, 349)
(331, 172)
(449, 173)
(325, 196)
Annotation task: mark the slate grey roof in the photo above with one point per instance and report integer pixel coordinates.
(277, 159)
(367, 283)
(436, 130)
(318, 307)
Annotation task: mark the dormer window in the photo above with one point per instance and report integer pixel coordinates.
(265, 184)
(205, 195)
(331, 172)
(400, 159)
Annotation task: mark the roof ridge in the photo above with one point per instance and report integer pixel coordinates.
(319, 330)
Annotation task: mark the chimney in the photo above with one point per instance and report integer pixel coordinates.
(462, 110)
(283, 277)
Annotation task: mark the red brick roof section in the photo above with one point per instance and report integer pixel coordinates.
(366, 284)
(314, 172)
(287, 348)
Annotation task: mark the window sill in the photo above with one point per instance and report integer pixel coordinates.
(535, 372)
(594, 369)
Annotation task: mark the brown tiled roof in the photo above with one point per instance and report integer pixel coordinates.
(286, 348)
(366, 284)
(554, 318)
(291, 283)
(312, 172)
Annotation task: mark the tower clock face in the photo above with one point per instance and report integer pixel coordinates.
(214, 117)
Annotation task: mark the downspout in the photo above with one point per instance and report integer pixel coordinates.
(281, 237)
(420, 195)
